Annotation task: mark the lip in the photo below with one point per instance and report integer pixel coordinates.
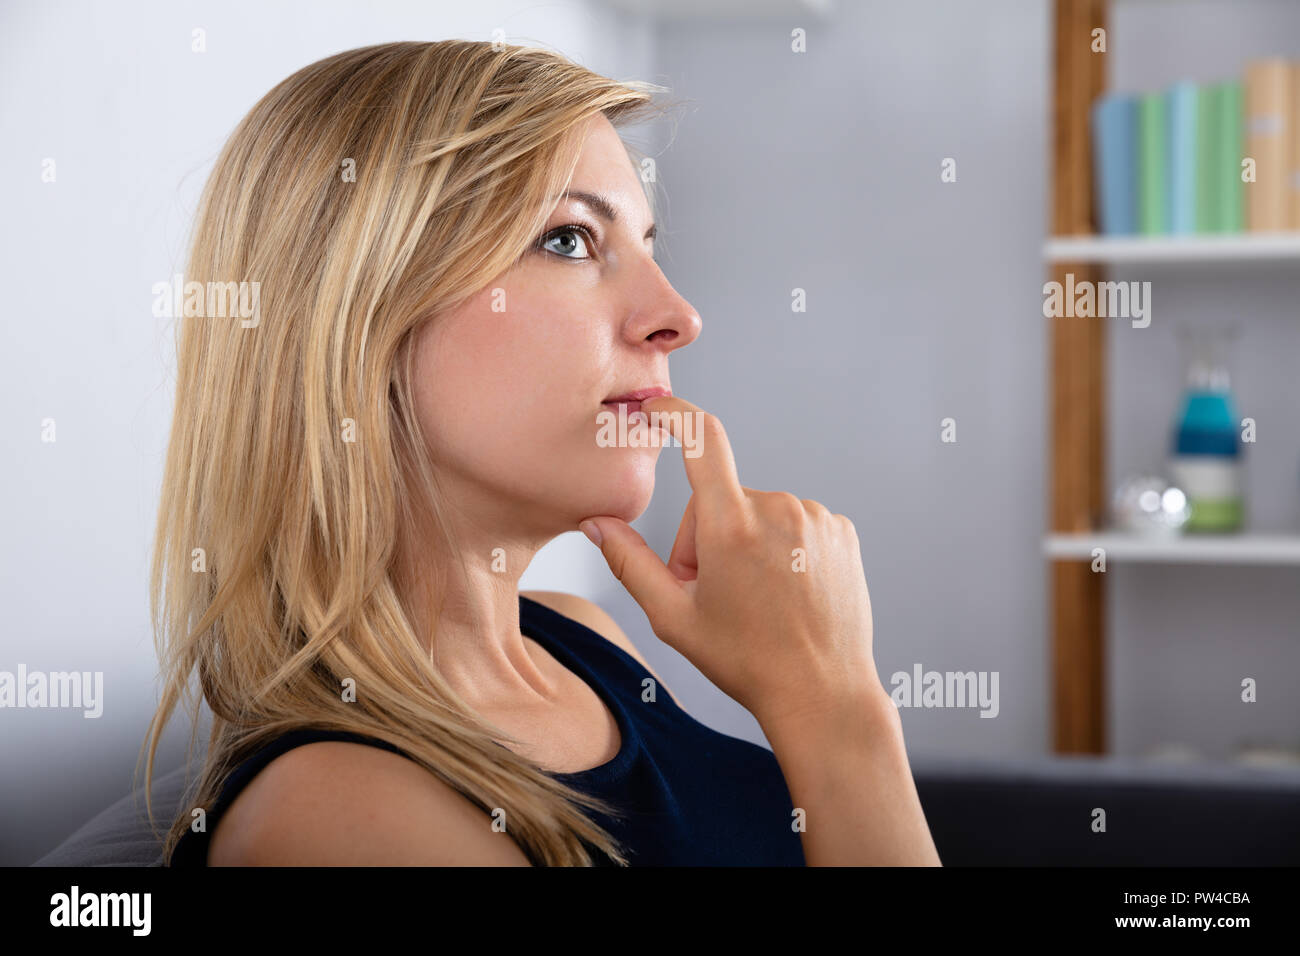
(634, 398)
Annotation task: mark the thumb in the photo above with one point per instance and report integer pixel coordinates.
(637, 567)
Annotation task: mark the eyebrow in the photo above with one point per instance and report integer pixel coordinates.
(603, 207)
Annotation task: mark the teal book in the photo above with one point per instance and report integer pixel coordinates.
(1153, 165)
(1182, 112)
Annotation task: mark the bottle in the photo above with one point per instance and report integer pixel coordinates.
(1207, 462)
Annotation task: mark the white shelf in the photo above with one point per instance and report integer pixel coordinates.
(1186, 549)
(1228, 247)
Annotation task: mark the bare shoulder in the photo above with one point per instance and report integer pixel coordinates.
(337, 803)
(592, 615)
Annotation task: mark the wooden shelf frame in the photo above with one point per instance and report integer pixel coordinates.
(1078, 394)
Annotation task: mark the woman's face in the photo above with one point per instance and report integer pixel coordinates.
(509, 398)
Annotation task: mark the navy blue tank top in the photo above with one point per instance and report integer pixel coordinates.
(689, 795)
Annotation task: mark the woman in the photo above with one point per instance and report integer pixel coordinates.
(454, 254)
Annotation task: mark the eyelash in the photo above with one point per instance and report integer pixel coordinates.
(578, 227)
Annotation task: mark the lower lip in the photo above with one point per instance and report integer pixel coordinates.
(630, 406)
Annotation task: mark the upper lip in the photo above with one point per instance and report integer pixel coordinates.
(641, 394)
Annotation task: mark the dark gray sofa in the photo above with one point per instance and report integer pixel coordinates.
(1039, 812)
(1027, 812)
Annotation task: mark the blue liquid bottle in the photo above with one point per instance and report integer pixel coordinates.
(1206, 461)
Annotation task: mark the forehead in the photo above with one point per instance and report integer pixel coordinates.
(605, 167)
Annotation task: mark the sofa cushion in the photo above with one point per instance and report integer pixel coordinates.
(981, 812)
(1039, 812)
(121, 834)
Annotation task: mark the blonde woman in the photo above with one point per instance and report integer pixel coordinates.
(454, 253)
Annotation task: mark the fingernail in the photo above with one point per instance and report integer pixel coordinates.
(591, 531)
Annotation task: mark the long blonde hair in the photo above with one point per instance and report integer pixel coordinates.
(366, 193)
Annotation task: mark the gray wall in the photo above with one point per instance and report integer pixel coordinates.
(821, 171)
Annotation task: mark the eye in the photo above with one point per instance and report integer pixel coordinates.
(574, 237)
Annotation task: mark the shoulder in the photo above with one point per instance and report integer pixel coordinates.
(338, 803)
(592, 615)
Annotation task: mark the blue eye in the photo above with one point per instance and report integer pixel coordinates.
(581, 235)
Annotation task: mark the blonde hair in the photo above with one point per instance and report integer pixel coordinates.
(459, 150)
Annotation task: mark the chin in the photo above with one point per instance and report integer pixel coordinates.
(625, 491)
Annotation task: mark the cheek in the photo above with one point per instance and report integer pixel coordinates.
(530, 369)
(511, 402)
(476, 393)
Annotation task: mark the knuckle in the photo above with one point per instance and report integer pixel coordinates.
(815, 508)
(731, 527)
(781, 510)
(740, 532)
(788, 506)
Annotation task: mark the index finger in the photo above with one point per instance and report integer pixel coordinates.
(710, 465)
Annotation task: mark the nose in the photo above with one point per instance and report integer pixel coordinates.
(664, 317)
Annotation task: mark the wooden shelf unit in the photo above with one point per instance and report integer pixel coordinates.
(1078, 393)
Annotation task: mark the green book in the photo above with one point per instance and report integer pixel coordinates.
(1207, 159)
(1153, 165)
(1230, 194)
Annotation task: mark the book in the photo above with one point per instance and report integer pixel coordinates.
(1114, 143)
(1294, 180)
(1266, 91)
(1228, 184)
(1153, 165)
(1209, 179)
(1181, 110)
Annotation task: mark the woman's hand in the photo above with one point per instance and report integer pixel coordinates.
(763, 592)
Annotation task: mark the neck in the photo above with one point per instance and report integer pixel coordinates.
(465, 608)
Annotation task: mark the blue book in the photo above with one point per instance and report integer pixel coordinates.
(1115, 148)
(1182, 110)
